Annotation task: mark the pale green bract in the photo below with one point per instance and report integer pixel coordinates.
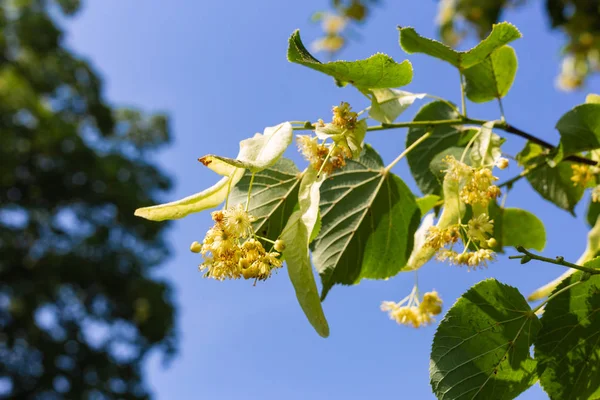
(296, 236)
(485, 150)
(388, 104)
(501, 34)
(375, 72)
(256, 154)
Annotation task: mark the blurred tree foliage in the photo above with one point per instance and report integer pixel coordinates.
(579, 20)
(79, 309)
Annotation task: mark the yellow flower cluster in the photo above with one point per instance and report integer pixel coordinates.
(316, 154)
(226, 257)
(477, 184)
(414, 312)
(582, 175)
(476, 231)
(344, 117)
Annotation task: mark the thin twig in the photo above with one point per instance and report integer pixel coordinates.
(558, 261)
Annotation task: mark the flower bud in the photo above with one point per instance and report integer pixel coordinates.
(492, 242)
(279, 245)
(195, 247)
(502, 163)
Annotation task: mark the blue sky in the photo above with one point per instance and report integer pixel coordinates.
(219, 69)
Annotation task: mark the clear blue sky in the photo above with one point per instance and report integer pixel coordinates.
(219, 69)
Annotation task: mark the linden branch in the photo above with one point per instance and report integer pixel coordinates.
(528, 256)
(502, 125)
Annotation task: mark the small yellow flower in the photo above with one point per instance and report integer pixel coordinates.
(344, 117)
(480, 258)
(582, 175)
(438, 238)
(457, 170)
(237, 221)
(412, 312)
(480, 226)
(431, 304)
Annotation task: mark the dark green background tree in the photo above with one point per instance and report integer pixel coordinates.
(79, 309)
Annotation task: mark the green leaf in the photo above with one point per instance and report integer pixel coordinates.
(592, 98)
(492, 78)
(522, 228)
(207, 199)
(486, 146)
(553, 184)
(388, 104)
(516, 227)
(442, 138)
(274, 196)
(296, 236)
(593, 213)
(502, 33)
(369, 218)
(568, 345)
(481, 348)
(579, 129)
(427, 203)
(376, 72)
(256, 153)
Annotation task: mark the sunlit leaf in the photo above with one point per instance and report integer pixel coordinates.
(492, 78)
(427, 203)
(553, 184)
(481, 348)
(369, 218)
(274, 197)
(375, 72)
(501, 34)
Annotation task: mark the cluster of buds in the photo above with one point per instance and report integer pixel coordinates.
(477, 184)
(227, 252)
(412, 311)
